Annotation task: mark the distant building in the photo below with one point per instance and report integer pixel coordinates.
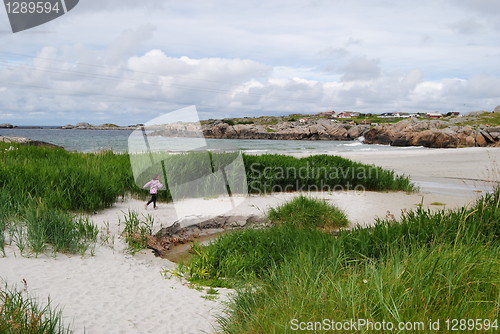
(344, 115)
(327, 113)
(389, 115)
(433, 115)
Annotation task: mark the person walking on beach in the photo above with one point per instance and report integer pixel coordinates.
(153, 185)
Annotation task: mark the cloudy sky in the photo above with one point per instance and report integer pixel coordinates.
(128, 61)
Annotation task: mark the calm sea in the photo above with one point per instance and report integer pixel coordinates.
(117, 141)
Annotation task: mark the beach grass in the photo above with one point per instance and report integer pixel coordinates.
(279, 173)
(22, 314)
(58, 229)
(39, 184)
(93, 181)
(247, 255)
(428, 265)
(306, 212)
(137, 230)
(410, 287)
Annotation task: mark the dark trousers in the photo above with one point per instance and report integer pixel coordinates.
(152, 200)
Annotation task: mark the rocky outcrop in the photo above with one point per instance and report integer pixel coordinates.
(107, 126)
(26, 141)
(317, 130)
(6, 126)
(434, 133)
(409, 132)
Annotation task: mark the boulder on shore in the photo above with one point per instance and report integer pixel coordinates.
(435, 134)
(26, 141)
(6, 126)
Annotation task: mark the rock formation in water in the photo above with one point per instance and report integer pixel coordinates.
(409, 132)
(26, 141)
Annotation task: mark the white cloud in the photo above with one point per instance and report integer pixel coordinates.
(361, 68)
(125, 60)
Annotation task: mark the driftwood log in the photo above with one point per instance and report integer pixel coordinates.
(175, 234)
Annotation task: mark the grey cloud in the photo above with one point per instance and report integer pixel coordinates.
(361, 68)
(126, 45)
(120, 5)
(487, 7)
(467, 26)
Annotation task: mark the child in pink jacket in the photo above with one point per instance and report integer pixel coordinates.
(153, 185)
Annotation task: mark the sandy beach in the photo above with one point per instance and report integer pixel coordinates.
(115, 292)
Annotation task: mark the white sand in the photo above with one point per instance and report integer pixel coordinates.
(113, 292)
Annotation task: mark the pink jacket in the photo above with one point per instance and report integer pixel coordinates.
(153, 185)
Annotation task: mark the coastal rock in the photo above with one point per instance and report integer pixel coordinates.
(26, 141)
(431, 133)
(494, 133)
(409, 132)
(480, 140)
(357, 131)
(497, 109)
(83, 126)
(106, 126)
(6, 126)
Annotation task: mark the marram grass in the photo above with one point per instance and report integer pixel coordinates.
(22, 314)
(305, 212)
(426, 284)
(93, 181)
(425, 267)
(62, 181)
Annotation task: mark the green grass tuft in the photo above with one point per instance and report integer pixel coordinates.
(439, 265)
(21, 314)
(305, 212)
(136, 231)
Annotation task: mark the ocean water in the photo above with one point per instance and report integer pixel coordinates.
(118, 141)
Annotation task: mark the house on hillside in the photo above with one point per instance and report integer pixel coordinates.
(433, 115)
(389, 115)
(328, 114)
(344, 115)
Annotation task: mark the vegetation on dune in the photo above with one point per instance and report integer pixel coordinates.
(21, 314)
(305, 212)
(440, 265)
(444, 282)
(275, 173)
(88, 182)
(137, 231)
(41, 184)
(64, 180)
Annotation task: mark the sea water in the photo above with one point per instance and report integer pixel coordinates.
(117, 141)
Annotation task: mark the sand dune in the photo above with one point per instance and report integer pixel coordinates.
(114, 292)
